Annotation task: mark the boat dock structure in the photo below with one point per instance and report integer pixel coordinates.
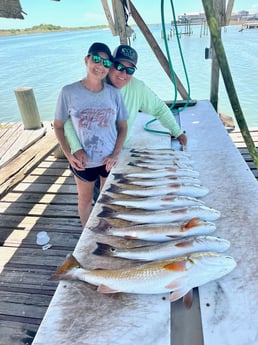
(35, 310)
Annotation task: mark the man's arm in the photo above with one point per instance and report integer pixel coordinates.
(59, 132)
(71, 136)
(112, 159)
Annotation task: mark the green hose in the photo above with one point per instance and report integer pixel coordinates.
(171, 68)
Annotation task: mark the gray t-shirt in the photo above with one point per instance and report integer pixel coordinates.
(94, 116)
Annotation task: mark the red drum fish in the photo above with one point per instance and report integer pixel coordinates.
(166, 216)
(158, 165)
(160, 152)
(158, 182)
(160, 232)
(160, 173)
(165, 250)
(162, 158)
(176, 276)
(186, 189)
(152, 203)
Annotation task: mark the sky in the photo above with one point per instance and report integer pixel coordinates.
(74, 13)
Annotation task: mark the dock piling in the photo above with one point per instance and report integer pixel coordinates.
(28, 107)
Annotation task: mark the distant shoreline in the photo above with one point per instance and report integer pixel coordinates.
(43, 28)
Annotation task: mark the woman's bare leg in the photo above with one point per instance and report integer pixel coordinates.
(85, 195)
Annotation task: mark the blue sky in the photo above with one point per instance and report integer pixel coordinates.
(72, 13)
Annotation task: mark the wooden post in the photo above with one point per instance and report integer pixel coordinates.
(120, 24)
(219, 8)
(156, 49)
(228, 81)
(28, 107)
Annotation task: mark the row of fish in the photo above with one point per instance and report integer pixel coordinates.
(159, 197)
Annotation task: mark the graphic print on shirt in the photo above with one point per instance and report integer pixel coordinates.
(93, 124)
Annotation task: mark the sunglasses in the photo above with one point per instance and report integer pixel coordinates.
(97, 59)
(120, 67)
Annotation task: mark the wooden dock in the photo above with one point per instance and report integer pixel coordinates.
(45, 199)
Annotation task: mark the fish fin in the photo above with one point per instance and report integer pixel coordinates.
(102, 227)
(114, 189)
(176, 295)
(175, 284)
(179, 265)
(105, 199)
(124, 181)
(107, 212)
(104, 249)
(188, 299)
(117, 176)
(106, 289)
(63, 271)
(192, 223)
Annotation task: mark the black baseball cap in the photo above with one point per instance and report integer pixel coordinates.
(125, 53)
(100, 48)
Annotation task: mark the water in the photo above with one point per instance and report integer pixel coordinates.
(48, 61)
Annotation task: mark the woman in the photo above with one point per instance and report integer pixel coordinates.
(99, 118)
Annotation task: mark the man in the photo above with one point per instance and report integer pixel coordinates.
(137, 97)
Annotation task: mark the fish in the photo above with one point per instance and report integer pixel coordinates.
(158, 182)
(164, 216)
(177, 276)
(162, 159)
(159, 232)
(186, 189)
(165, 250)
(159, 165)
(161, 152)
(152, 203)
(160, 173)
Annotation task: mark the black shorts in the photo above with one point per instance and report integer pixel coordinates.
(90, 174)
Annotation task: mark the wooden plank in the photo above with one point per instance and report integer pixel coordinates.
(17, 332)
(44, 199)
(18, 142)
(42, 210)
(13, 173)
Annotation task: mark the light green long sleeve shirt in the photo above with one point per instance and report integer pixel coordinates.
(137, 97)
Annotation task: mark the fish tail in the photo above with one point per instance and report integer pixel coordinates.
(103, 249)
(105, 199)
(107, 212)
(64, 271)
(102, 227)
(124, 181)
(117, 176)
(131, 164)
(114, 189)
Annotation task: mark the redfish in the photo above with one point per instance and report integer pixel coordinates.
(186, 189)
(160, 232)
(165, 216)
(165, 250)
(161, 173)
(160, 152)
(152, 203)
(160, 165)
(177, 276)
(146, 182)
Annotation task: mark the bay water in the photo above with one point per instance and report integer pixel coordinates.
(48, 61)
